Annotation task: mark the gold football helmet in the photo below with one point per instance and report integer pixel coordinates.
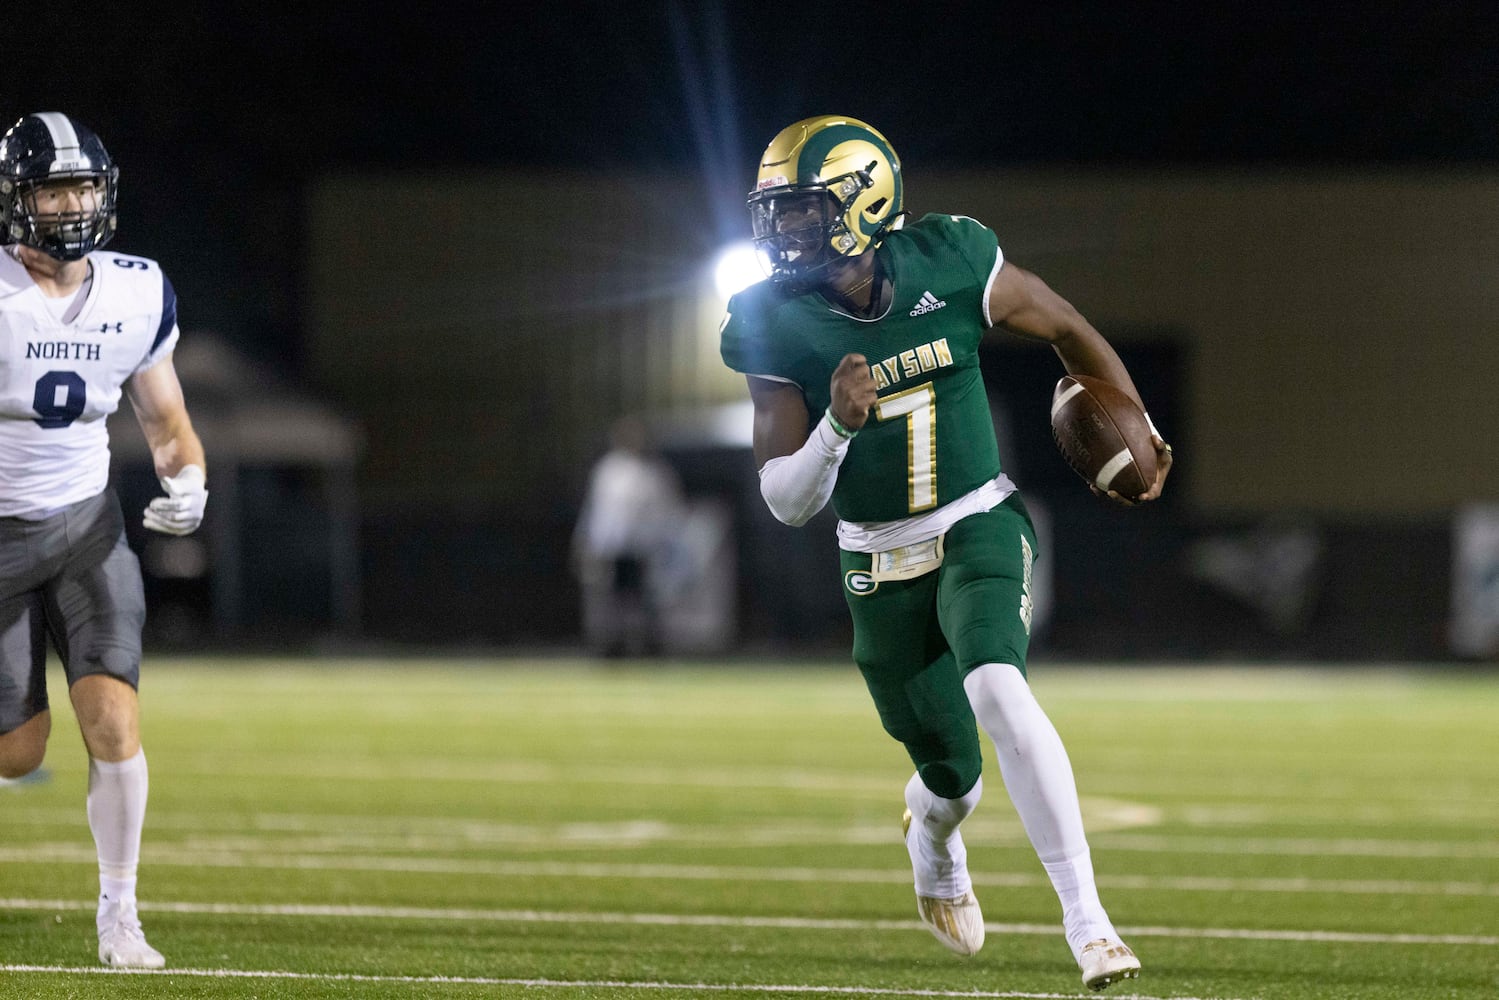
(829, 187)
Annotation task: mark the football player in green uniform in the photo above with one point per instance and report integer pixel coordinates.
(861, 355)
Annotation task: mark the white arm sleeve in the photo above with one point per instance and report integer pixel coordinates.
(798, 485)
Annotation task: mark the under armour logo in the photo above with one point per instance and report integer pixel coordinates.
(119, 327)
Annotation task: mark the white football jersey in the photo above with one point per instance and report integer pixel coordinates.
(60, 380)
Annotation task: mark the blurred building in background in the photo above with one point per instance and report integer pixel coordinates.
(279, 562)
(1306, 340)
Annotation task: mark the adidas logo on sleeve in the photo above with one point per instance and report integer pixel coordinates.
(928, 303)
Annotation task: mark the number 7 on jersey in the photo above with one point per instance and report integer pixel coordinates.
(919, 406)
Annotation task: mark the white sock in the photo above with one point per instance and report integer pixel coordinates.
(1038, 776)
(116, 815)
(1083, 916)
(938, 858)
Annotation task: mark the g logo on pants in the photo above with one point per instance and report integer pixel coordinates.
(859, 582)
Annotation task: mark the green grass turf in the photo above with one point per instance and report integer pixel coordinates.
(558, 828)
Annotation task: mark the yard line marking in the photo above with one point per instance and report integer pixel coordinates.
(1301, 846)
(190, 857)
(522, 772)
(719, 920)
(1340, 937)
(618, 984)
(1260, 814)
(1103, 815)
(1321, 886)
(994, 832)
(844, 784)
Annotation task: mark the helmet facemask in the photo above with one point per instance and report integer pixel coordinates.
(800, 230)
(69, 234)
(794, 231)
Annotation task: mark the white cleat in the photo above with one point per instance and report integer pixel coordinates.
(1105, 962)
(122, 943)
(957, 922)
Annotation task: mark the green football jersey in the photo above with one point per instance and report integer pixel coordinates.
(930, 438)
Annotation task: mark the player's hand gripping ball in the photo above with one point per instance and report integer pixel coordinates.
(1103, 435)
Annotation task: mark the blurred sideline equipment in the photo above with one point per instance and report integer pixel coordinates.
(280, 558)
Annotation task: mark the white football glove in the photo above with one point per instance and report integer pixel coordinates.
(181, 510)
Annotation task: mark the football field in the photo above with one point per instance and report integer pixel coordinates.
(554, 828)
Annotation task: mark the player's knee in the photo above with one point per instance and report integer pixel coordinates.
(19, 766)
(23, 749)
(950, 778)
(1007, 710)
(997, 692)
(112, 737)
(948, 761)
(111, 728)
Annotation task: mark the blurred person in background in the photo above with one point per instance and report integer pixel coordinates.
(622, 541)
(80, 324)
(861, 355)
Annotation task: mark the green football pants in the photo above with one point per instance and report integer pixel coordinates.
(915, 640)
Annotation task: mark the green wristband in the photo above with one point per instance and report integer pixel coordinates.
(838, 428)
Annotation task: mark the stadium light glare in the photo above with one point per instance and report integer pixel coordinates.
(737, 268)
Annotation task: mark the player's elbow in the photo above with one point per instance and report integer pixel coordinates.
(797, 486)
(791, 502)
(793, 514)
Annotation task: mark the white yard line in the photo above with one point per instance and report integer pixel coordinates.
(1331, 799)
(1103, 816)
(618, 984)
(520, 772)
(1427, 814)
(719, 920)
(194, 857)
(1367, 847)
(1113, 826)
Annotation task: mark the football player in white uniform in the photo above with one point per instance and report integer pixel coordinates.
(77, 325)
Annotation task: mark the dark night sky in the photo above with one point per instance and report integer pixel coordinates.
(219, 119)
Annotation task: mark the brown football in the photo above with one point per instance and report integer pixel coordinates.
(1103, 435)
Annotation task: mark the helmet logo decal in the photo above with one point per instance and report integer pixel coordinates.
(815, 152)
(64, 135)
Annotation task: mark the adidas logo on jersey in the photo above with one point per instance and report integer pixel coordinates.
(928, 303)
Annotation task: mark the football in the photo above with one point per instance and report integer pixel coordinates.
(1103, 435)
